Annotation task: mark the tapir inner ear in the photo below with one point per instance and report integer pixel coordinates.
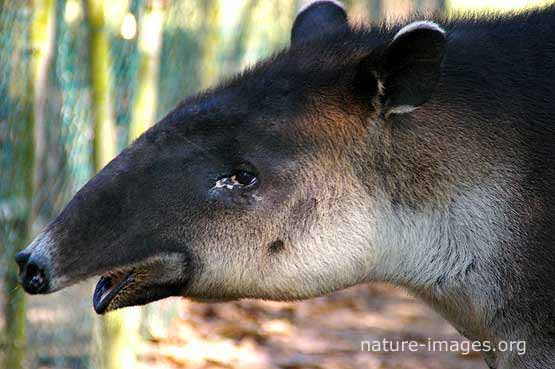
(410, 67)
(317, 19)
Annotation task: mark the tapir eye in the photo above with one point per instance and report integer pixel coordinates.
(239, 179)
(245, 178)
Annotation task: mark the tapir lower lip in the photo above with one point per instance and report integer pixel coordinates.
(101, 299)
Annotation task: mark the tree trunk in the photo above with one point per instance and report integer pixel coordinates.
(374, 10)
(145, 101)
(101, 85)
(14, 309)
(430, 6)
(396, 10)
(359, 11)
(42, 42)
(210, 35)
(244, 25)
(442, 6)
(17, 231)
(116, 332)
(151, 24)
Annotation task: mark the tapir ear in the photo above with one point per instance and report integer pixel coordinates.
(317, 19)
(409, 67)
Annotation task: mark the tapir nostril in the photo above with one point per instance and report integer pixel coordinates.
(33, 277)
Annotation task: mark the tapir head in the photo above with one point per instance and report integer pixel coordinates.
(263, 187)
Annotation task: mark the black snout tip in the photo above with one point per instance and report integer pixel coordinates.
(32, 275)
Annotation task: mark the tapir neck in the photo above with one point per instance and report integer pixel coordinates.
(465, 181)
(465, 259)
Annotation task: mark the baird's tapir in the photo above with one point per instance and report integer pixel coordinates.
(422, 155)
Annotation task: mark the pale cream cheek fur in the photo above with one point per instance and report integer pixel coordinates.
(333, 254)
(326, 250)
(355, 239)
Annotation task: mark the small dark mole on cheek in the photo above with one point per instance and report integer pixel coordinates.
(276, 246)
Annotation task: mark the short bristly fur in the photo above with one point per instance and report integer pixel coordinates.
(421, 155)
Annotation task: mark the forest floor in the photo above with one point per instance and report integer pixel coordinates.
(323, 333)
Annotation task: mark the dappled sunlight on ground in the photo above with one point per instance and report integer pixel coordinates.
(322, 333)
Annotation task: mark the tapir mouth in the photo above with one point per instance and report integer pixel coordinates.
(109, 286)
